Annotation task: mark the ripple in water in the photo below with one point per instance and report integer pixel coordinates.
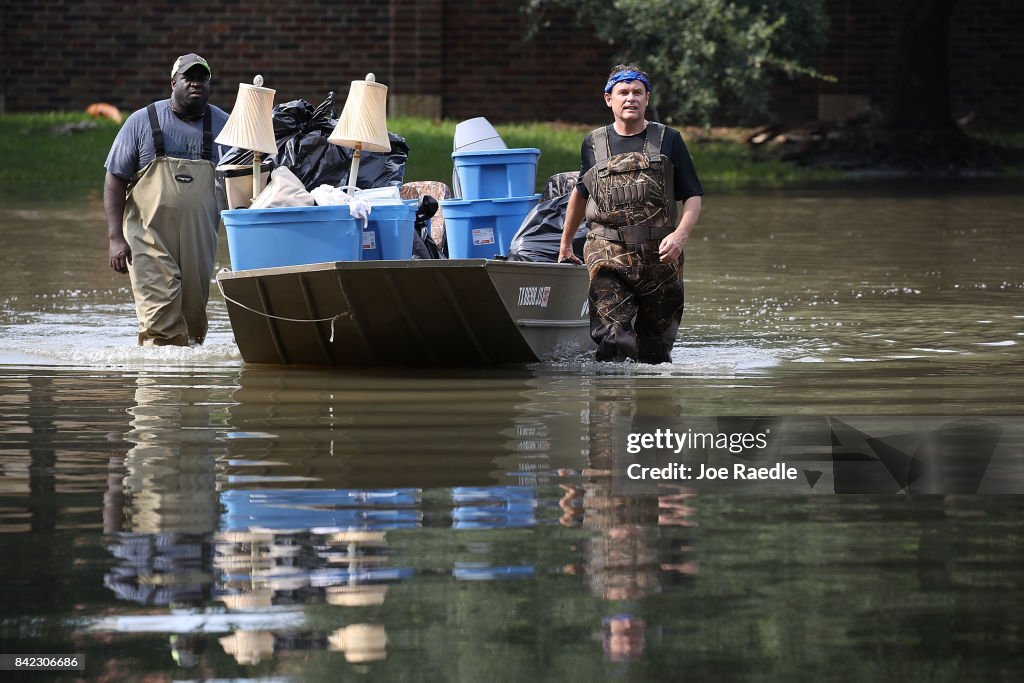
(99, 339)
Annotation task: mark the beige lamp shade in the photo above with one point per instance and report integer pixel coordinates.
(251, 123)
(360, 642)
(364, 119)
(248, 647)
(248, 601)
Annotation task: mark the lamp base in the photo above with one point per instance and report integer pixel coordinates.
(256, 189)
(353, 174)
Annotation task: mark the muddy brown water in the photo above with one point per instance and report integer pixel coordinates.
(173, 513)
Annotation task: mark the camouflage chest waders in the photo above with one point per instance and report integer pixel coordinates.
(636, 301)
(170, 224)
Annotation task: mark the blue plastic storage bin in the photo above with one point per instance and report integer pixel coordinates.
(291, 236)
(388, 234)
(496, 174)
(481, 228)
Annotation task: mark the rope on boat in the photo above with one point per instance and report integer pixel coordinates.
(331, 319)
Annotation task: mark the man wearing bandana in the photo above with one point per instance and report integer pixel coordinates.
(632, 174)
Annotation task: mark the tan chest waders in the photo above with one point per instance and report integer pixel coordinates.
(170, 224)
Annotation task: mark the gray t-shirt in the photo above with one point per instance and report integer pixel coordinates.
(133, 147)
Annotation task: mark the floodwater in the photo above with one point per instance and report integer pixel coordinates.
(174, 514)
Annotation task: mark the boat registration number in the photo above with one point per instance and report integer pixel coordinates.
(534, 296)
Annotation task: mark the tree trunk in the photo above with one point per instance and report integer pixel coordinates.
(920, 99)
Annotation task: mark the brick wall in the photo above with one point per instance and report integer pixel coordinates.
(64, 54)
(443, 57)
(493, 71)
(455, 59)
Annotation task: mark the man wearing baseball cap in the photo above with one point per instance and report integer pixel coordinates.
(632, 174)
(160, 201)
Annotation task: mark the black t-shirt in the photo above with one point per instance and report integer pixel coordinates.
(684, 178)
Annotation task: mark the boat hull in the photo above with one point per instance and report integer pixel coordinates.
(417, 312)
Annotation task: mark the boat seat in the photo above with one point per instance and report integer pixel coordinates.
(560, 185)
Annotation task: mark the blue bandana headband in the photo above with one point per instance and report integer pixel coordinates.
(626, 76)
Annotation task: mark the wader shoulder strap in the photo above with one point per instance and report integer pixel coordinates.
(602, 148)
(655, 134)
(208, 134)
(158, 135)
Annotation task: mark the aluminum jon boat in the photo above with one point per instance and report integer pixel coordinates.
(392, 313)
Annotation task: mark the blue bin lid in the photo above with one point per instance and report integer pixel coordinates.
(392, 211)
(286, 214)
(497, 153)
(457, 208)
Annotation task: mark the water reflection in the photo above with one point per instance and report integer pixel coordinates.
(42, 480)
(631, 555)
(258, 569)
(278, 494)
(244, 536)
(165, 512)
(261, 516)
(264, 513)
(165, 503)
(170, 479)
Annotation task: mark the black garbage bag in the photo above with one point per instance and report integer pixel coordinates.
(425, 248)
(301, 132)
(540, 236)
(423, 244)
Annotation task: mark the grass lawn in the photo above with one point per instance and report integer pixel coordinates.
(723, 162)
(43, 164)
(59, 156)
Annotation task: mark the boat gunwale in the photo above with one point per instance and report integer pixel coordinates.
(226, 274)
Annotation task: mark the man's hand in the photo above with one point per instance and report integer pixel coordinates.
(120, 255)
(567, 256)
(672, 247)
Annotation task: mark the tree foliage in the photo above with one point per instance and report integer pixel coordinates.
(705, 57)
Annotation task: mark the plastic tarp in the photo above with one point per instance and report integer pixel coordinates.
(301, 132)
(540, 236)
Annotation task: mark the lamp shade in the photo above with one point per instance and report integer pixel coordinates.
(248, 647)
(251, 123)
(364, 119)
(360, 642)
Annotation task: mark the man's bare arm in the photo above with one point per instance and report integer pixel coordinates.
(115, 191)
